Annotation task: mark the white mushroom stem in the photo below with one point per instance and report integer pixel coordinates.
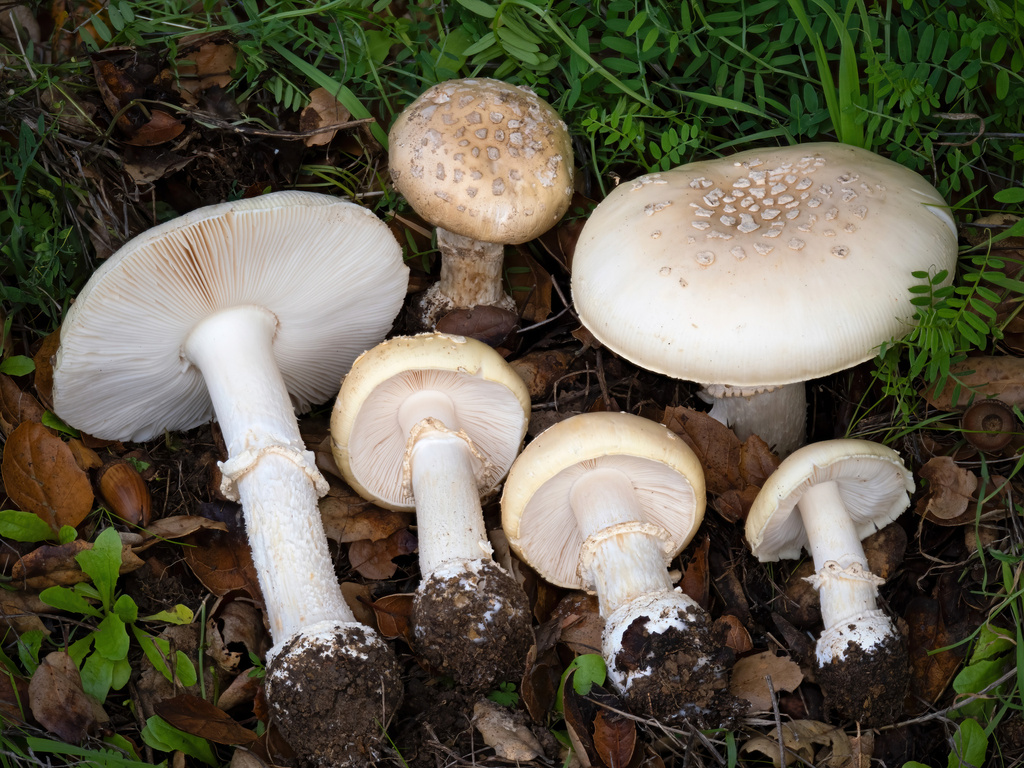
(276, 478)
(778, 416)
(846, 587)
(471, 271)
(622, 557)
(443, 468)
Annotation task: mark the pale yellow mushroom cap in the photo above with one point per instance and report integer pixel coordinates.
(484, 159)
(535, 510)
(874, 484)
(490, 402)
(765, 268)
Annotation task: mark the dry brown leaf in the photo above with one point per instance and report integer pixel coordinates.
(579, 622)
(510, 740)
(234, 630)
(19, 610)
(1001, 377)
(950, 490)
(733, 505)
(160, 128)
(373, 559)
(748, 678)
(41, 476)
(394, 616)
(208, 65)
(323, 110)
(541, 368)
(16, 406)
(347, 517)
(199, 717)
(13, 695)
(800, 739)
(696, 579)
(85, 457)
(931, 669)
(43, 358)
(55, 565)
(734, 635)
(491, 325)
(58, 701)
(530, 283)
(221, 559)
(177, 527)
(614, 738)
(715, 444)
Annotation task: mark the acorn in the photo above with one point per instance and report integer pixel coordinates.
(125, 492)
(989, 425)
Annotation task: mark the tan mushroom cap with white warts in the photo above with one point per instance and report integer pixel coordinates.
(535, 510)
(484, 159)
(329, 271)
(874, 484)
(490, 401)
(765, 268)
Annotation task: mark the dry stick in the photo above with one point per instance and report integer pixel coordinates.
(778, 719)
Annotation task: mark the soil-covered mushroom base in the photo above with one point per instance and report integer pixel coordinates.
(680, 673)
(473, 622)
(867, 685)
(332, 694)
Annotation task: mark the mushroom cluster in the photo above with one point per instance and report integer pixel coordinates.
(827, 497)
(431, 423)
(488, 164)
(603, 502)
(250, 311)
(754, 273)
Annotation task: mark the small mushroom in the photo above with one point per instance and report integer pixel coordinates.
(989, 425)
(603, 502)
(252, 310)
(827, 497)
(432, 423)
(753, 273)
(488, 164)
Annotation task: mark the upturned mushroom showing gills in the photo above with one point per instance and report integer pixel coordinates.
(251, 311)
(432, 423)
(603, 502)
(826, 498)
(754, 273)
(488, 164)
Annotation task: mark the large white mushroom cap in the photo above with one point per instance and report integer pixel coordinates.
(536, 512)
(761, 269)
(484, 397)
(329, 270)
(872, 480)
(484, 159)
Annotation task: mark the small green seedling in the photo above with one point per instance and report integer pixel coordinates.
(505, 695)
(102, 655)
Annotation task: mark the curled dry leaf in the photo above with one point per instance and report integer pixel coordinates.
(54, 565)
(749, 673)
(16, 406)
(935, 656)
(323, 110)
(506, 734)
(176, 527)
(19, 611)
(579, 622)
(614, 737)
(950, 491)
(800, 739)
(1001, 377)
(85, 457)
(394, 617)
(530, 283)
(41, 476)
(204, 66)
(59, 702)
(43, 359)
(733, 633)
(696, 580)
(18, 23)
(234, 630)
(373, 559)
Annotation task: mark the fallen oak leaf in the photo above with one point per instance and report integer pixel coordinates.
(41, 476)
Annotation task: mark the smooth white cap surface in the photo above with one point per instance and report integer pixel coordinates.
(484, 159)
(535, 506)
(470, 381)
(329, 270)
(873, 482)
(764, 268)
